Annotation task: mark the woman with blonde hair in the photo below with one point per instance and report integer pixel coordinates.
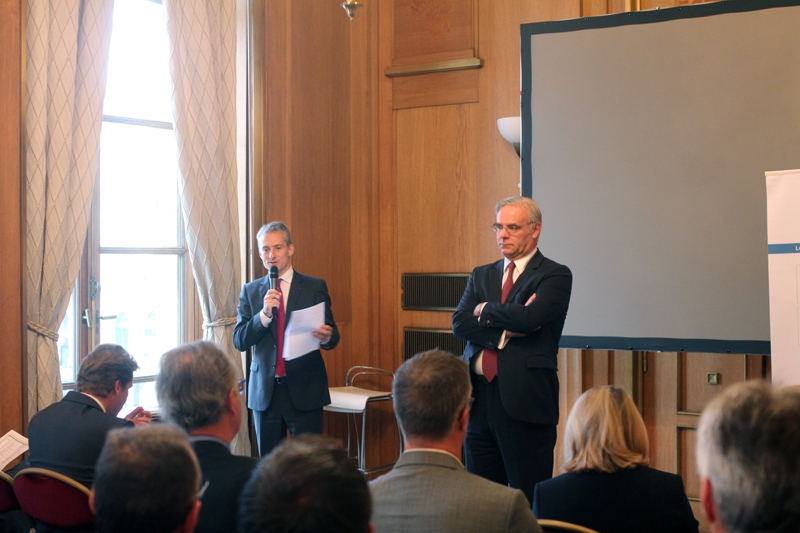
(607, 484)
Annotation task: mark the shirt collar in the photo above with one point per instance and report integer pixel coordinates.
(434, 450)
(288, 276)
(522, 262)
(103, 407)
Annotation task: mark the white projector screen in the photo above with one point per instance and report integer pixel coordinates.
(645, 141)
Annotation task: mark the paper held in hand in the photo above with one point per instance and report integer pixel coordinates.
(298, 338)
(12, 445)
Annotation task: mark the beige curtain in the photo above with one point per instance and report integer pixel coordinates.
(202, 37)
(67, 54)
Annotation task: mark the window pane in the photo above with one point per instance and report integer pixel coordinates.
(138, 83)
(143, 394)
(68, 343)
(141, 292)
(138, 187)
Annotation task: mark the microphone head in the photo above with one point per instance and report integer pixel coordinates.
(273, 272)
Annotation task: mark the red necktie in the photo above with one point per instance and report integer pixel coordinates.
(280, 324)
(490, 356)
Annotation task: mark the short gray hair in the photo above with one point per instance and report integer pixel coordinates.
(429, 392)
(275, 226)
(534, 213)
(146, 480)
(749, 448)
(193, 384)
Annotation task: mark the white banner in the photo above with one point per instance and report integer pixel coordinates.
(783, 239)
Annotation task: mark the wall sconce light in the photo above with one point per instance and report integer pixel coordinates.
(511, 130)
(350, 6)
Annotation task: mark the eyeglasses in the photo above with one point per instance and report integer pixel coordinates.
(511, 228)
(240, 384)
(202, 490)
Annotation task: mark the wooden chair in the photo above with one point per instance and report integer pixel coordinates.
(8, 500)
(557, 526)
(53, 499)
(353, 401)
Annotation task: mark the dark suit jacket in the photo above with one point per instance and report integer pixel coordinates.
(527, 366)
(68, 436)
(227, 474)
(431, 492)
(626, 501)
(306, 376)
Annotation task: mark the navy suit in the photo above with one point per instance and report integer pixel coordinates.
(626, 501)
(306, 378)
(68, 436)
(227, 475)
(512, 431)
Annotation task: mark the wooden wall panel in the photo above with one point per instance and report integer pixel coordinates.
(12, 326)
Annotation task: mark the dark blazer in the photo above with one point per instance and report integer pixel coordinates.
(306, 376)
(626, 501)
(431, 492)
(227, 475)
(526, 366)
(68, 436)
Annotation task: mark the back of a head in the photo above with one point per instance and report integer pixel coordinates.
(429, 392)
(146, 480)
(604, 432)
(103, 367)
(749, 449)
(306, 485)
(193, 384)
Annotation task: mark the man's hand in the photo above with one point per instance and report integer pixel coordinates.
(323, 333)
(139, 417)
(478, 309)
(272, 300)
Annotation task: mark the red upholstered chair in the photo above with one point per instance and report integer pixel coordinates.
(557, 526)
(8, 500)
(53, 499)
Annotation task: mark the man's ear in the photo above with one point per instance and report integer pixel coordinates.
(191, 518)
(707, 499)
(91, 502)
(463, 420)
(118, 387)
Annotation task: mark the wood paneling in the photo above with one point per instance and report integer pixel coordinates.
(12, 325)
(436, 89)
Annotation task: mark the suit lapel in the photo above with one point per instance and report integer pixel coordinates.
(495, 288)
(294, 294)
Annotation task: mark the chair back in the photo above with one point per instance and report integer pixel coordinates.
(8, 500)
(557, 526)
(53, 498)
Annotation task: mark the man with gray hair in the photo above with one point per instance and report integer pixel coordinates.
(147, 481)
(198, 389)
(429, 491)
(283, 394)
(512, 336)
(748, 457)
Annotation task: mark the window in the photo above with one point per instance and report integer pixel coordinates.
(137, 267)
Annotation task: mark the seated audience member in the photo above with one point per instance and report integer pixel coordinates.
(198, 390)
(147, 481)
(607, 484)
(429, 491)
(748, 457)
(67, 436)
(306, 485)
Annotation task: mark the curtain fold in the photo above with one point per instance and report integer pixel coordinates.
(202, 36)
(67, 56)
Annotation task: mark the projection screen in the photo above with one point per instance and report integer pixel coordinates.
(645, 140)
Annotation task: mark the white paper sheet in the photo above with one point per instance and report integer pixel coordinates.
(783, 239)
(298, 339)
(12, 445)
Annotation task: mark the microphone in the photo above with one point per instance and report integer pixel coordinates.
(273, 284)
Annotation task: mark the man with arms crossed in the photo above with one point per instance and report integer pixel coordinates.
(68, 436)
(428, 491)
(283, 394)
(748, 457)
(512, 314)
(198, 389)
